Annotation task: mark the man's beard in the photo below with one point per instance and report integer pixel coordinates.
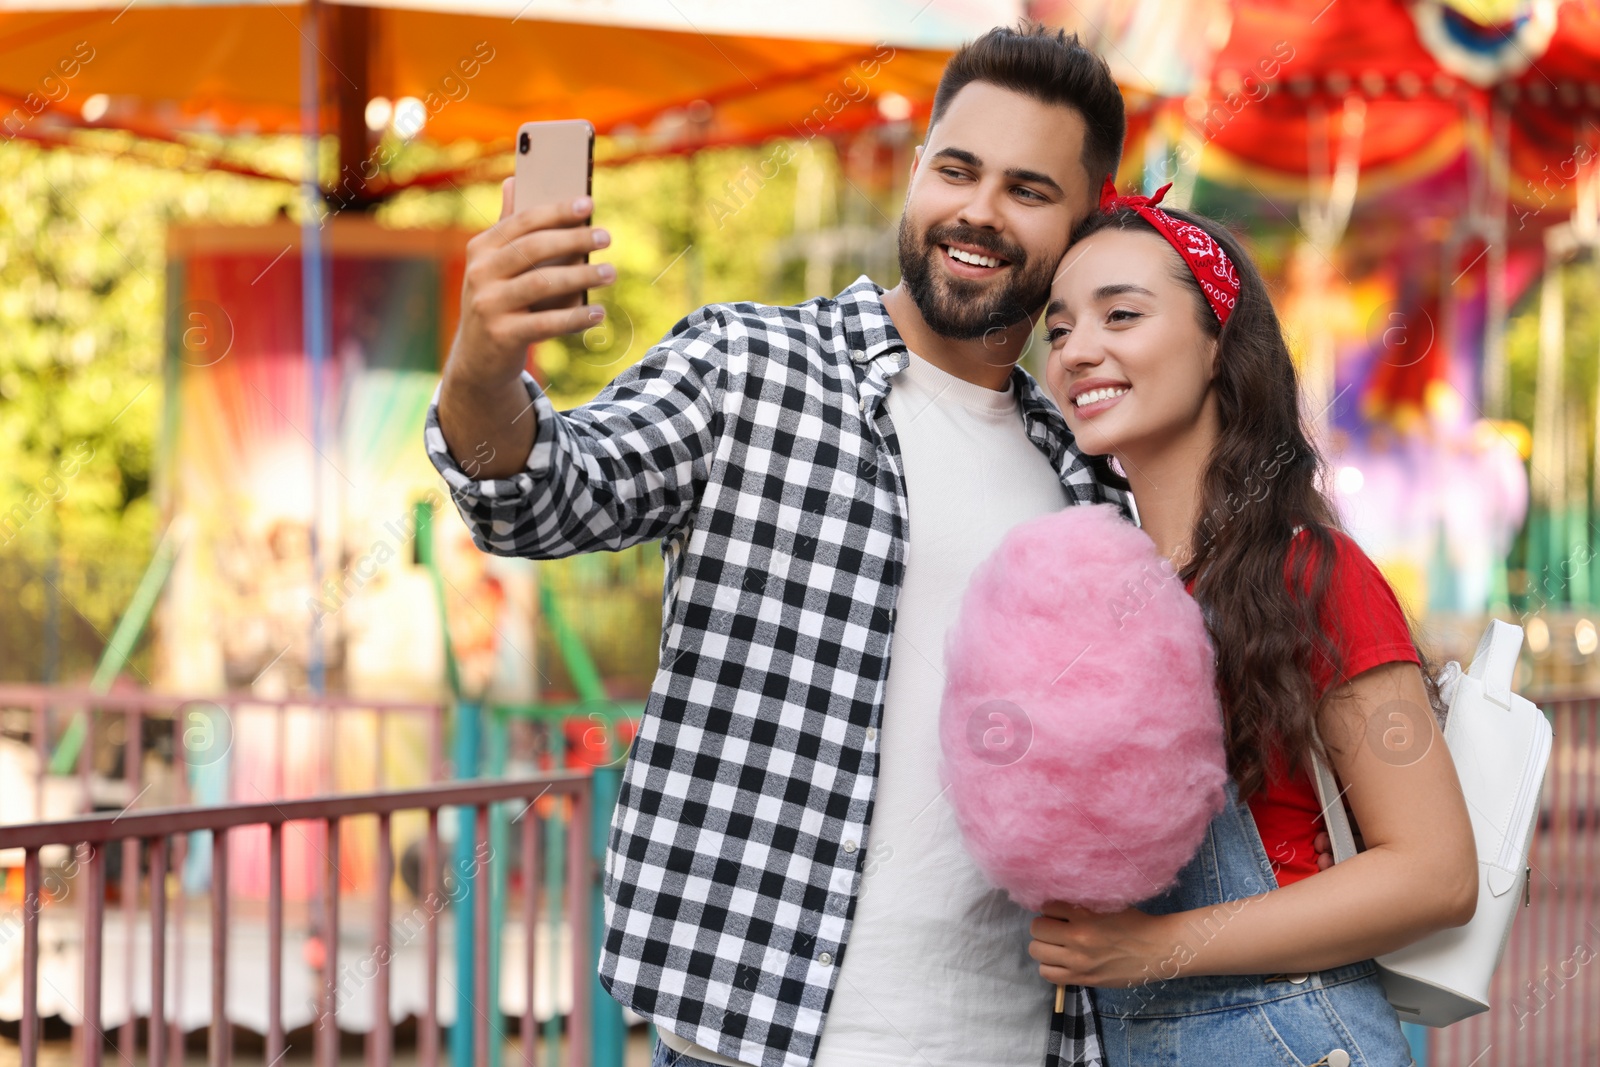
(964, 309)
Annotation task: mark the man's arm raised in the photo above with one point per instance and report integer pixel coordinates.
(623, 469)
(508, 303)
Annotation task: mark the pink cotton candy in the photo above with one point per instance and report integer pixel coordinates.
(1082, 738)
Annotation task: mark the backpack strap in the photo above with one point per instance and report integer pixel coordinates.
(1328, 795)
(1333, 814)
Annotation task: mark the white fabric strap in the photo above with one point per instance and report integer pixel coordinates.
(1333, 814)
(1332, 802)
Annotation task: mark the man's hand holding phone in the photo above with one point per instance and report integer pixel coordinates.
(512, 296)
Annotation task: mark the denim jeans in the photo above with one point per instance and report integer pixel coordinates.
(1262, 1020)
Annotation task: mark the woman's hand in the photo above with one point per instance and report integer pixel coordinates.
(1075, 946)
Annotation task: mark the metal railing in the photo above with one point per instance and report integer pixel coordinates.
(163, 835)
(1545, 997)
(197, 742)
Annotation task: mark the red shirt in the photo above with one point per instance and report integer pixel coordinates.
(1366, 624)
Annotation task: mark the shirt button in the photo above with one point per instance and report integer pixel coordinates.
(872, 734)
(826, 959)
(849, 846)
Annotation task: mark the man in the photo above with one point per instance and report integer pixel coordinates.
(785, 885)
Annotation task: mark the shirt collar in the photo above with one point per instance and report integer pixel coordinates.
(1039, 411)
(871, 331)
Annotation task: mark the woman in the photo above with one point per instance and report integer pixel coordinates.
(1166, 355)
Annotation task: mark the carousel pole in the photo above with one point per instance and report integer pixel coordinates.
(1576, 453)
(1494, 326)
(313, 322)
(312, 311)
(1331, 197)
(1586, 232)
(313, 318)
(1495, 385)
(1575, 543)
(1319, 376)
(1546, 533)
(1590, 536)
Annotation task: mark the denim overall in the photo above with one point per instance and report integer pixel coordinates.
(1259, 1020)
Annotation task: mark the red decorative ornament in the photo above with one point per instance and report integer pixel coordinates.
(1205, 258)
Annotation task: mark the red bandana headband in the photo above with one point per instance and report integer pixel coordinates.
(1205, 258)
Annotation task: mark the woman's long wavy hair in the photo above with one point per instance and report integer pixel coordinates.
(1261, 481)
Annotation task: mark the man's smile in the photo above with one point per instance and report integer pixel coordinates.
(971, 261)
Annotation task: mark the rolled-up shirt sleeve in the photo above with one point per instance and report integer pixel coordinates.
(621, 470)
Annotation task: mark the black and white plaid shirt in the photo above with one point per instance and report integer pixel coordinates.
(755, 444)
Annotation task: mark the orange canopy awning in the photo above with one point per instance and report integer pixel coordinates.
(481, 69)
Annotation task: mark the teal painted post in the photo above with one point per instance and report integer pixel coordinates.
(555, 869)
(1578, 552)
(499, 852)
(1536, 595)
(468, 730)
(1556, 553)
(1591, 543)
(608, 1031)
(1417, 1038)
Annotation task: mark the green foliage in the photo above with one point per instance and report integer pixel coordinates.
(82, 283)
(1581, 367)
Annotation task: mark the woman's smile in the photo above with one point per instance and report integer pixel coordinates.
(1090, 398)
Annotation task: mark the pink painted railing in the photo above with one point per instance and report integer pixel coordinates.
(1545, 1001)
(44, 704)
(164, 833)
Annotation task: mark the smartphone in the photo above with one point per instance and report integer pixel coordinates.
(555, 164)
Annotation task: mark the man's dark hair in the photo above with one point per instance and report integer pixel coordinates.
(1053, 67)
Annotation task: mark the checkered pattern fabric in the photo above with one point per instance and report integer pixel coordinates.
(754, 443)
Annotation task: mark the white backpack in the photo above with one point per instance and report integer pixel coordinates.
(1500, 743)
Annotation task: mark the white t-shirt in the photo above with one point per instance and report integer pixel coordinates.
(936, 970)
